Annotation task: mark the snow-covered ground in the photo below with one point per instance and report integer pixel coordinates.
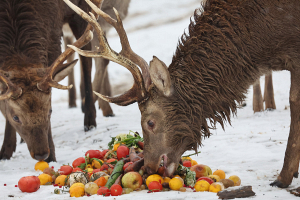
(252, 148)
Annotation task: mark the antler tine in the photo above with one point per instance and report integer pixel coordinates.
(126, 49)
(138, 91)
(13, 91)
(48, 81)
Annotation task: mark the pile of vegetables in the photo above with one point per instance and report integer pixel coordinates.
(120, 170)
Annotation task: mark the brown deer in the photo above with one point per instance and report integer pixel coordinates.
(101, 82)
(30, 33)
(230, 44)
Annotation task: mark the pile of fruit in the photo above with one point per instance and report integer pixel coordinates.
(120, 170)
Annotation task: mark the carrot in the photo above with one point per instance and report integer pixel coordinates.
(136, 166)
(140, 145)
(118, 170)
(133, 155)
(118, 180)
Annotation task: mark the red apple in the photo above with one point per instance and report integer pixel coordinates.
(209, 180)
(132, 180)
(201, 170)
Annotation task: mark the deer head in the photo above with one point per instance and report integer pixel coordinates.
(165, 136)
(25, 96)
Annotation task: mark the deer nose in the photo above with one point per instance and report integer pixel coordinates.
(41, 157)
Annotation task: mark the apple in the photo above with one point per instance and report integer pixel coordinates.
(209, 180)
(132, 180)
(201, 170)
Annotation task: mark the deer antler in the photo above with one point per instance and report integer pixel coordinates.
(126, 57)
(12, 91)
(48, 82)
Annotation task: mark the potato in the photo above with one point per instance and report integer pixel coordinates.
(227, 183)
(91, 188)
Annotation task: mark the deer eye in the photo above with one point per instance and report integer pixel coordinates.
(151, 123)
(16, 119)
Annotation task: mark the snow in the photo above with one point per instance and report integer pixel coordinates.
(252, 148)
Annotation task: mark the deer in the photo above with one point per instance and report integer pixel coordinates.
(101, 82)
(31, 64)
(229, 45)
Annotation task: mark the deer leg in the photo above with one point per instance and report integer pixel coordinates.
(258, 105)
(101, 85)
(292, 153)
(71, 78)
(78, 26)
(51, 156)
(269, 93)
(9, 142)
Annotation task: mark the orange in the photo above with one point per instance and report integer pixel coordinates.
(61, 180)
(77, 191)
(175, 184)
(77, 184)
(220, 173)
(41, 165)
(45, 179)
(194, 162)
(101, 181)
(201, 186)
(236, 180)
(154, 177)
(116, 146)
(216, 187)
(166, 179)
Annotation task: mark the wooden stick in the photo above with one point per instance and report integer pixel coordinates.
(240, 192)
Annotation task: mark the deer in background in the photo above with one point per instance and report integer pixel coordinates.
(101, 82)
(31, 65)
(229, 45)
(258, 100)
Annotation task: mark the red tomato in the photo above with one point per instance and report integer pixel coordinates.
(209, 180)
(187, 163)
(29, 184)
(116, 190)
(122, 151)
(126, 165)
(103, 153)
(77, 170)
(65, 170)
(93, 153)
(106, 166)
(96, 170)
(99, 153)
(78, 161)
(103, 191)
(155, 186)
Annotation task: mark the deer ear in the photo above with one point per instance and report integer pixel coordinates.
(64, 70)
(160, 76)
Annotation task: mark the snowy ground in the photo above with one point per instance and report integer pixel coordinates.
(252, 148)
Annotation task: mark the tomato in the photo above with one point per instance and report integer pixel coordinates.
(93, 153)
(103, 153)
(209, 180)
(96, 170)
(65, 170)
(155, 186)
(122, 151)
(187, 163)
(126, 165)
(111, 160)
(78, 162)
(77, 169)
(106, 166)
(29, 184)
(103, 191)
(116, 190)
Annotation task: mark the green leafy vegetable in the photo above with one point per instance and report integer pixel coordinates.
(190, 176)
